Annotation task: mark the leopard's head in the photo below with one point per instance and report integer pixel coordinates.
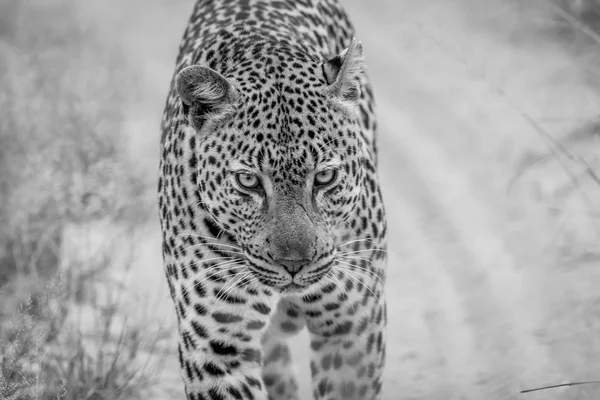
(279, 156)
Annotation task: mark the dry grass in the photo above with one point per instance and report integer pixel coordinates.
(61, 117)
(565, 181)
(43, 356)
(571, 159)
(588, 9)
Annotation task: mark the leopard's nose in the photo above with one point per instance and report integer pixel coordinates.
(293, 266)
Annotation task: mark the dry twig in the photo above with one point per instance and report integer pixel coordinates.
(557, 386)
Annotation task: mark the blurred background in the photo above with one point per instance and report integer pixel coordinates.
(489, 116)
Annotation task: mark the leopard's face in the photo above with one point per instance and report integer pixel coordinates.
(282, 178)
(279, 156)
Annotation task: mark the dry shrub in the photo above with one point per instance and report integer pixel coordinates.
(61, 107)
(62, 98)
(44, 357)
(582, 8)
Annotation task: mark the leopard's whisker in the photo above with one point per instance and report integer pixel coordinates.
(224, 251)
(345, 253)
(356, 241)
(349, 274)
(224, 264)
(195, 235)
(357, 267)
(254, 283)
(365, 272)
(215, 242)
(229, 286)
(359, 258)
(360, 273)
(188, 234)
(212, 259)
(220, 291)
(212, 244)
(239, 281)
(212, 273)
(228, 262)
(234, 281)
(340, 286)
(206, 277)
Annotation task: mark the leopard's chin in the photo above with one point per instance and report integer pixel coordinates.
(299, 285)
(295, 288)
(292, 288)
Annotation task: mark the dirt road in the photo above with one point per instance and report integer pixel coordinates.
(468, 308)
(476, 296)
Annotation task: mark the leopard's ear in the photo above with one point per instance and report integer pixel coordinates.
(343, 74)
(206, 95)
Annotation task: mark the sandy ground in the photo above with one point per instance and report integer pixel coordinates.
(483, 300)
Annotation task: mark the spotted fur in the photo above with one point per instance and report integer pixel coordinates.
(269, 201)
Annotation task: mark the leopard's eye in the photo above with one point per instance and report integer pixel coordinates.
(325, 178)
(247, 180)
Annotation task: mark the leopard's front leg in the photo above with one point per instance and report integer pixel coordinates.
(220, 333)
(348, 345)
(278, 373)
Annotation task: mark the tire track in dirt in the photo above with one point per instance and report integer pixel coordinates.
(473, 307)
(479, 309)
(425, 334)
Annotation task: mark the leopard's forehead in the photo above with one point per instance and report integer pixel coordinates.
(285, 125)
(274, 75)
(274, 134)
(286, 155)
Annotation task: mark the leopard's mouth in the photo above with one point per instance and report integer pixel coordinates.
(282, 285)
(292, 287)
(275, 277)
(285, 283)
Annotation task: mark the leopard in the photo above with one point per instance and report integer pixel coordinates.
(270, 206)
